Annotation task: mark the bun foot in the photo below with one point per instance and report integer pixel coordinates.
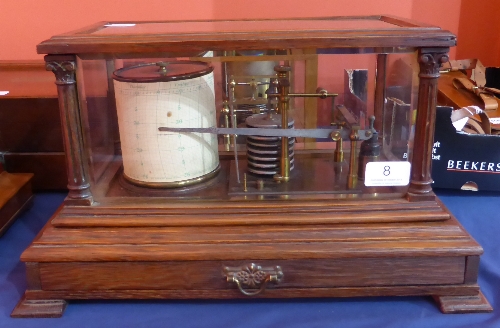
(463, 304)
(39, 308)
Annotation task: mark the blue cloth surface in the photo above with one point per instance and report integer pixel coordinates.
(479, 213)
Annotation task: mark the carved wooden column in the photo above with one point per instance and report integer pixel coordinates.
(64, 68)
(430, 60)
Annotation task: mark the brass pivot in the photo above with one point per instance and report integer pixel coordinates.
(338, 154)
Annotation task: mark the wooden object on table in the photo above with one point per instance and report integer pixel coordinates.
(15, 195)
(112, 240)
(30, 127)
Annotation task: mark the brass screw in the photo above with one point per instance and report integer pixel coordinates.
(260, 184)
(163, 67)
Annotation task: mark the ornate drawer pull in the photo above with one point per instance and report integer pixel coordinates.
(252, 276)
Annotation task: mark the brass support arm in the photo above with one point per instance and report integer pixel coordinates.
(283, 106)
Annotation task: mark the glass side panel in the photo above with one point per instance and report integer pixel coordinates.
(400, 105)
(98, 114)
(247, 26)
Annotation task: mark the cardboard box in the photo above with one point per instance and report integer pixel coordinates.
(464, 161)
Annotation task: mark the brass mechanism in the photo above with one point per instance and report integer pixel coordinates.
(260, 184)
(283, 105)
(284, 96)
(338, 154)
(226, 116)
(163, 67)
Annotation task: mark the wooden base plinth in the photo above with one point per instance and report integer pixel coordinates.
(15, 195)
(147, 255)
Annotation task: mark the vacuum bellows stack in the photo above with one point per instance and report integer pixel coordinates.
(263, 153)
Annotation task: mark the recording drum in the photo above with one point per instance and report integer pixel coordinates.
(169, 94)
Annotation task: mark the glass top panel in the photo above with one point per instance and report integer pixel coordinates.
(247, 26)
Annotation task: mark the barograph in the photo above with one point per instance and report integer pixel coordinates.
(224, 159)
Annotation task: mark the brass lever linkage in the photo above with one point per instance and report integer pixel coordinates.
(323, 94)
(284, 96)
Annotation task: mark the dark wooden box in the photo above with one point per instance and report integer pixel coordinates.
(30, 126)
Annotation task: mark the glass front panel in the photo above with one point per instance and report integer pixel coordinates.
(349, 126)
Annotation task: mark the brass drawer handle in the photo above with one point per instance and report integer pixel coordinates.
(252, 276)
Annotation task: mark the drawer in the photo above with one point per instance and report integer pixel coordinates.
(212, 275)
